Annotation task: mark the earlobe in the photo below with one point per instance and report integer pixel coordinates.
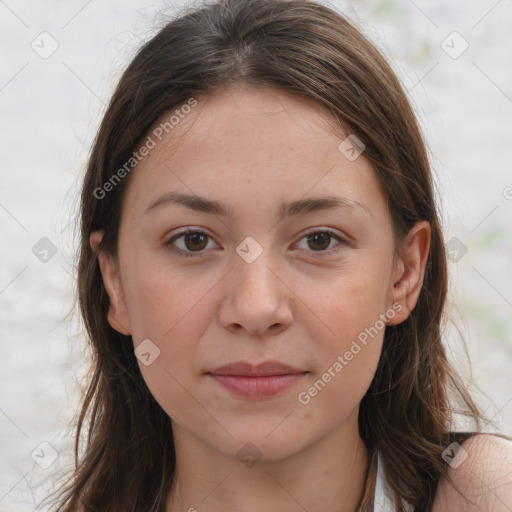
(95, 240)
(410, 270)
(118, 313)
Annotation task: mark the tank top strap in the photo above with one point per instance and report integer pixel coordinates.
(460, 437)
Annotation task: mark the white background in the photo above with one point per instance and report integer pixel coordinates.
(49, 112)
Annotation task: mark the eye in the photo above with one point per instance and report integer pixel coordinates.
(320, 240)
(193, 242)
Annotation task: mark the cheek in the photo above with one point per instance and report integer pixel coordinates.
(344, 305)
(345, 365)
(173, 314)
(172, 309)
(347, 323)
(162, 301)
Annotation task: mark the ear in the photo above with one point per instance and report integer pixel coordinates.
(409, 271)
(118, 314)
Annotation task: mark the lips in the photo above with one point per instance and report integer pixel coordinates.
(256, 381)
(265, 369)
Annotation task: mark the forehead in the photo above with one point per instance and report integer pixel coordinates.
(237, 119)
(244, 145)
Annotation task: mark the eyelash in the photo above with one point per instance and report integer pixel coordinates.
(169, 243)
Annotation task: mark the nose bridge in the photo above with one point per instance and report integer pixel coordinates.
(253, 269)
(256, 296)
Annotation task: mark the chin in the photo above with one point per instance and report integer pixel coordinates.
(262, 443)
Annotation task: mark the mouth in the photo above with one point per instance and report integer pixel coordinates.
(265, 380)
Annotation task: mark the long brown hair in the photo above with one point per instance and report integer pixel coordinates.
(309, 50)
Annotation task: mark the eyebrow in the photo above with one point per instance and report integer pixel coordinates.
(301, 206)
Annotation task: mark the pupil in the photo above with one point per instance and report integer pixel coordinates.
(194, 237)
(315, 236)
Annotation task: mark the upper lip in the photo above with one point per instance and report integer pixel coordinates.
(246, 369)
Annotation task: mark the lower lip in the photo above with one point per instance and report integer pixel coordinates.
(257, 387)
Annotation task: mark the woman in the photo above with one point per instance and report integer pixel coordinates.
(262, 277)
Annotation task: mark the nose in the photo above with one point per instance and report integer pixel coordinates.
(256, 299)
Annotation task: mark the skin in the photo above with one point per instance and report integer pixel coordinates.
(484, 477)
(253, 150)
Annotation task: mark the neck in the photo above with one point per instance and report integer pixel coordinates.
(327, 475)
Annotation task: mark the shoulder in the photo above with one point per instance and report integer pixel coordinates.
(482, 470)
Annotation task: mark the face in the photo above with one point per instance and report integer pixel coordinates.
(288, 258)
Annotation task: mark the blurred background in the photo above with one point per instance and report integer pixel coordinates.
(59, 63)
